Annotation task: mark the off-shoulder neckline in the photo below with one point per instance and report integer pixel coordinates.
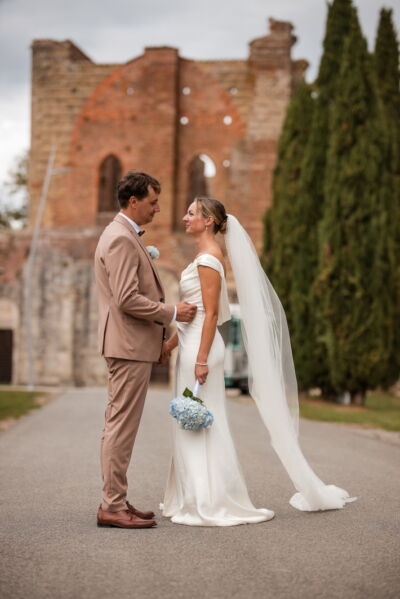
(212, 256)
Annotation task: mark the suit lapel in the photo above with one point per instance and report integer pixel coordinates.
(121, 220)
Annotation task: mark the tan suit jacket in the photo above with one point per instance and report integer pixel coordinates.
(132, 312)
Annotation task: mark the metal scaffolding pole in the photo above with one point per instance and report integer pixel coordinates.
(30, 268)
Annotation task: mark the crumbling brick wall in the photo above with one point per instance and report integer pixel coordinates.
(155, 113)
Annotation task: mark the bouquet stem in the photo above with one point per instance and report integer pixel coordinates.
(196, 388)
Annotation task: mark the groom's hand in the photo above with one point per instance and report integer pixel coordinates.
(185, 312)
(165, 354)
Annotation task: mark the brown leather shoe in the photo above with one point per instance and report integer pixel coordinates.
(138, 513)
(122, 519)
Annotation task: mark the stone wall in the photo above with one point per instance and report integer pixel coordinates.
(155, 113)
(233, 112)
(63, 305)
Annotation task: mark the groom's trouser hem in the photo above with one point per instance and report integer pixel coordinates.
(128, 382)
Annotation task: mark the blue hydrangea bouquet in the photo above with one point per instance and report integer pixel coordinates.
(190, 411)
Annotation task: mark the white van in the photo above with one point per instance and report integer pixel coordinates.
(235, 366)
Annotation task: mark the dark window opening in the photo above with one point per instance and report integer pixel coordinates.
(109, 175)
(6, 347)
(198, 184)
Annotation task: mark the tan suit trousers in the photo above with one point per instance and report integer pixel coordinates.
(128, 382)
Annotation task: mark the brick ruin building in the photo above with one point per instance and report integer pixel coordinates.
(198, 126)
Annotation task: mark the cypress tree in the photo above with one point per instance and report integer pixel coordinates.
(351, 289)
(310, 353)
(280, 221)
(386, 63)
(387, 71)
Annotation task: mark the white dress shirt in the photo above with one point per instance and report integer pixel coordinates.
(134, 225)
(138, 230)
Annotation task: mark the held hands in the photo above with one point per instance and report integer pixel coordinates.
(167, 348)
(165, 354)
(185, 312)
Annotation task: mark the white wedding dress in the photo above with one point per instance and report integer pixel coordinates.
(205, 485)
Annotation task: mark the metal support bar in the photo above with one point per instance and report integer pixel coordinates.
(30, 267)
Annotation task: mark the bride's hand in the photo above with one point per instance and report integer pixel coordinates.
(165, 354)
(201, 373)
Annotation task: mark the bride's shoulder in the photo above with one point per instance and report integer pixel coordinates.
(214, 254)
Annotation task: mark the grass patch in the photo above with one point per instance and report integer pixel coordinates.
(381, 410)
(14, 404)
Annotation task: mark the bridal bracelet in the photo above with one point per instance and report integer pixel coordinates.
(201, 364)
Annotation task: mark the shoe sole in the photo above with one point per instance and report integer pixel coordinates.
(100, 524)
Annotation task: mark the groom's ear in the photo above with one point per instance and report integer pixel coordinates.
(133, 200)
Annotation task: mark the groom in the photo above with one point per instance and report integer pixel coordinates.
(132, 321)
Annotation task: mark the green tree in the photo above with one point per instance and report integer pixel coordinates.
(355, 302)
(14, 195)
(308, 328)
(339, 18)
(386, 63)
(280, 226)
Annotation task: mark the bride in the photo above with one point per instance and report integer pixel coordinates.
(205, 485)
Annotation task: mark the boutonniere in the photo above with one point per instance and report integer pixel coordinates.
(153, 251)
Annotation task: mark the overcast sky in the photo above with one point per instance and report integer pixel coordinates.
(117, 31)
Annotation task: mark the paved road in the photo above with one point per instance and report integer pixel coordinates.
(51, 548)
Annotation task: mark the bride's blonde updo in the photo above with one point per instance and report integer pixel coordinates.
(216, 210)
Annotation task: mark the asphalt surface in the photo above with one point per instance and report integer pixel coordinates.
(50, 490)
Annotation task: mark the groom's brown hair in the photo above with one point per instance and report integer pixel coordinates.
(135, 184)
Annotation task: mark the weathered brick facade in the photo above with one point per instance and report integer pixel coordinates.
(157, 113)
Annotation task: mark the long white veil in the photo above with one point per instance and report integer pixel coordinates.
(272, 380)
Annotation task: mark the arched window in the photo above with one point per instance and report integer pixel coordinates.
(109, 175)
(201, 172)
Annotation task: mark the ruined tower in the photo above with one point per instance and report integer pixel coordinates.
(198, 126)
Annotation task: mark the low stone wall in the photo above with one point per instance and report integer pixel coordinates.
(63, 306)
